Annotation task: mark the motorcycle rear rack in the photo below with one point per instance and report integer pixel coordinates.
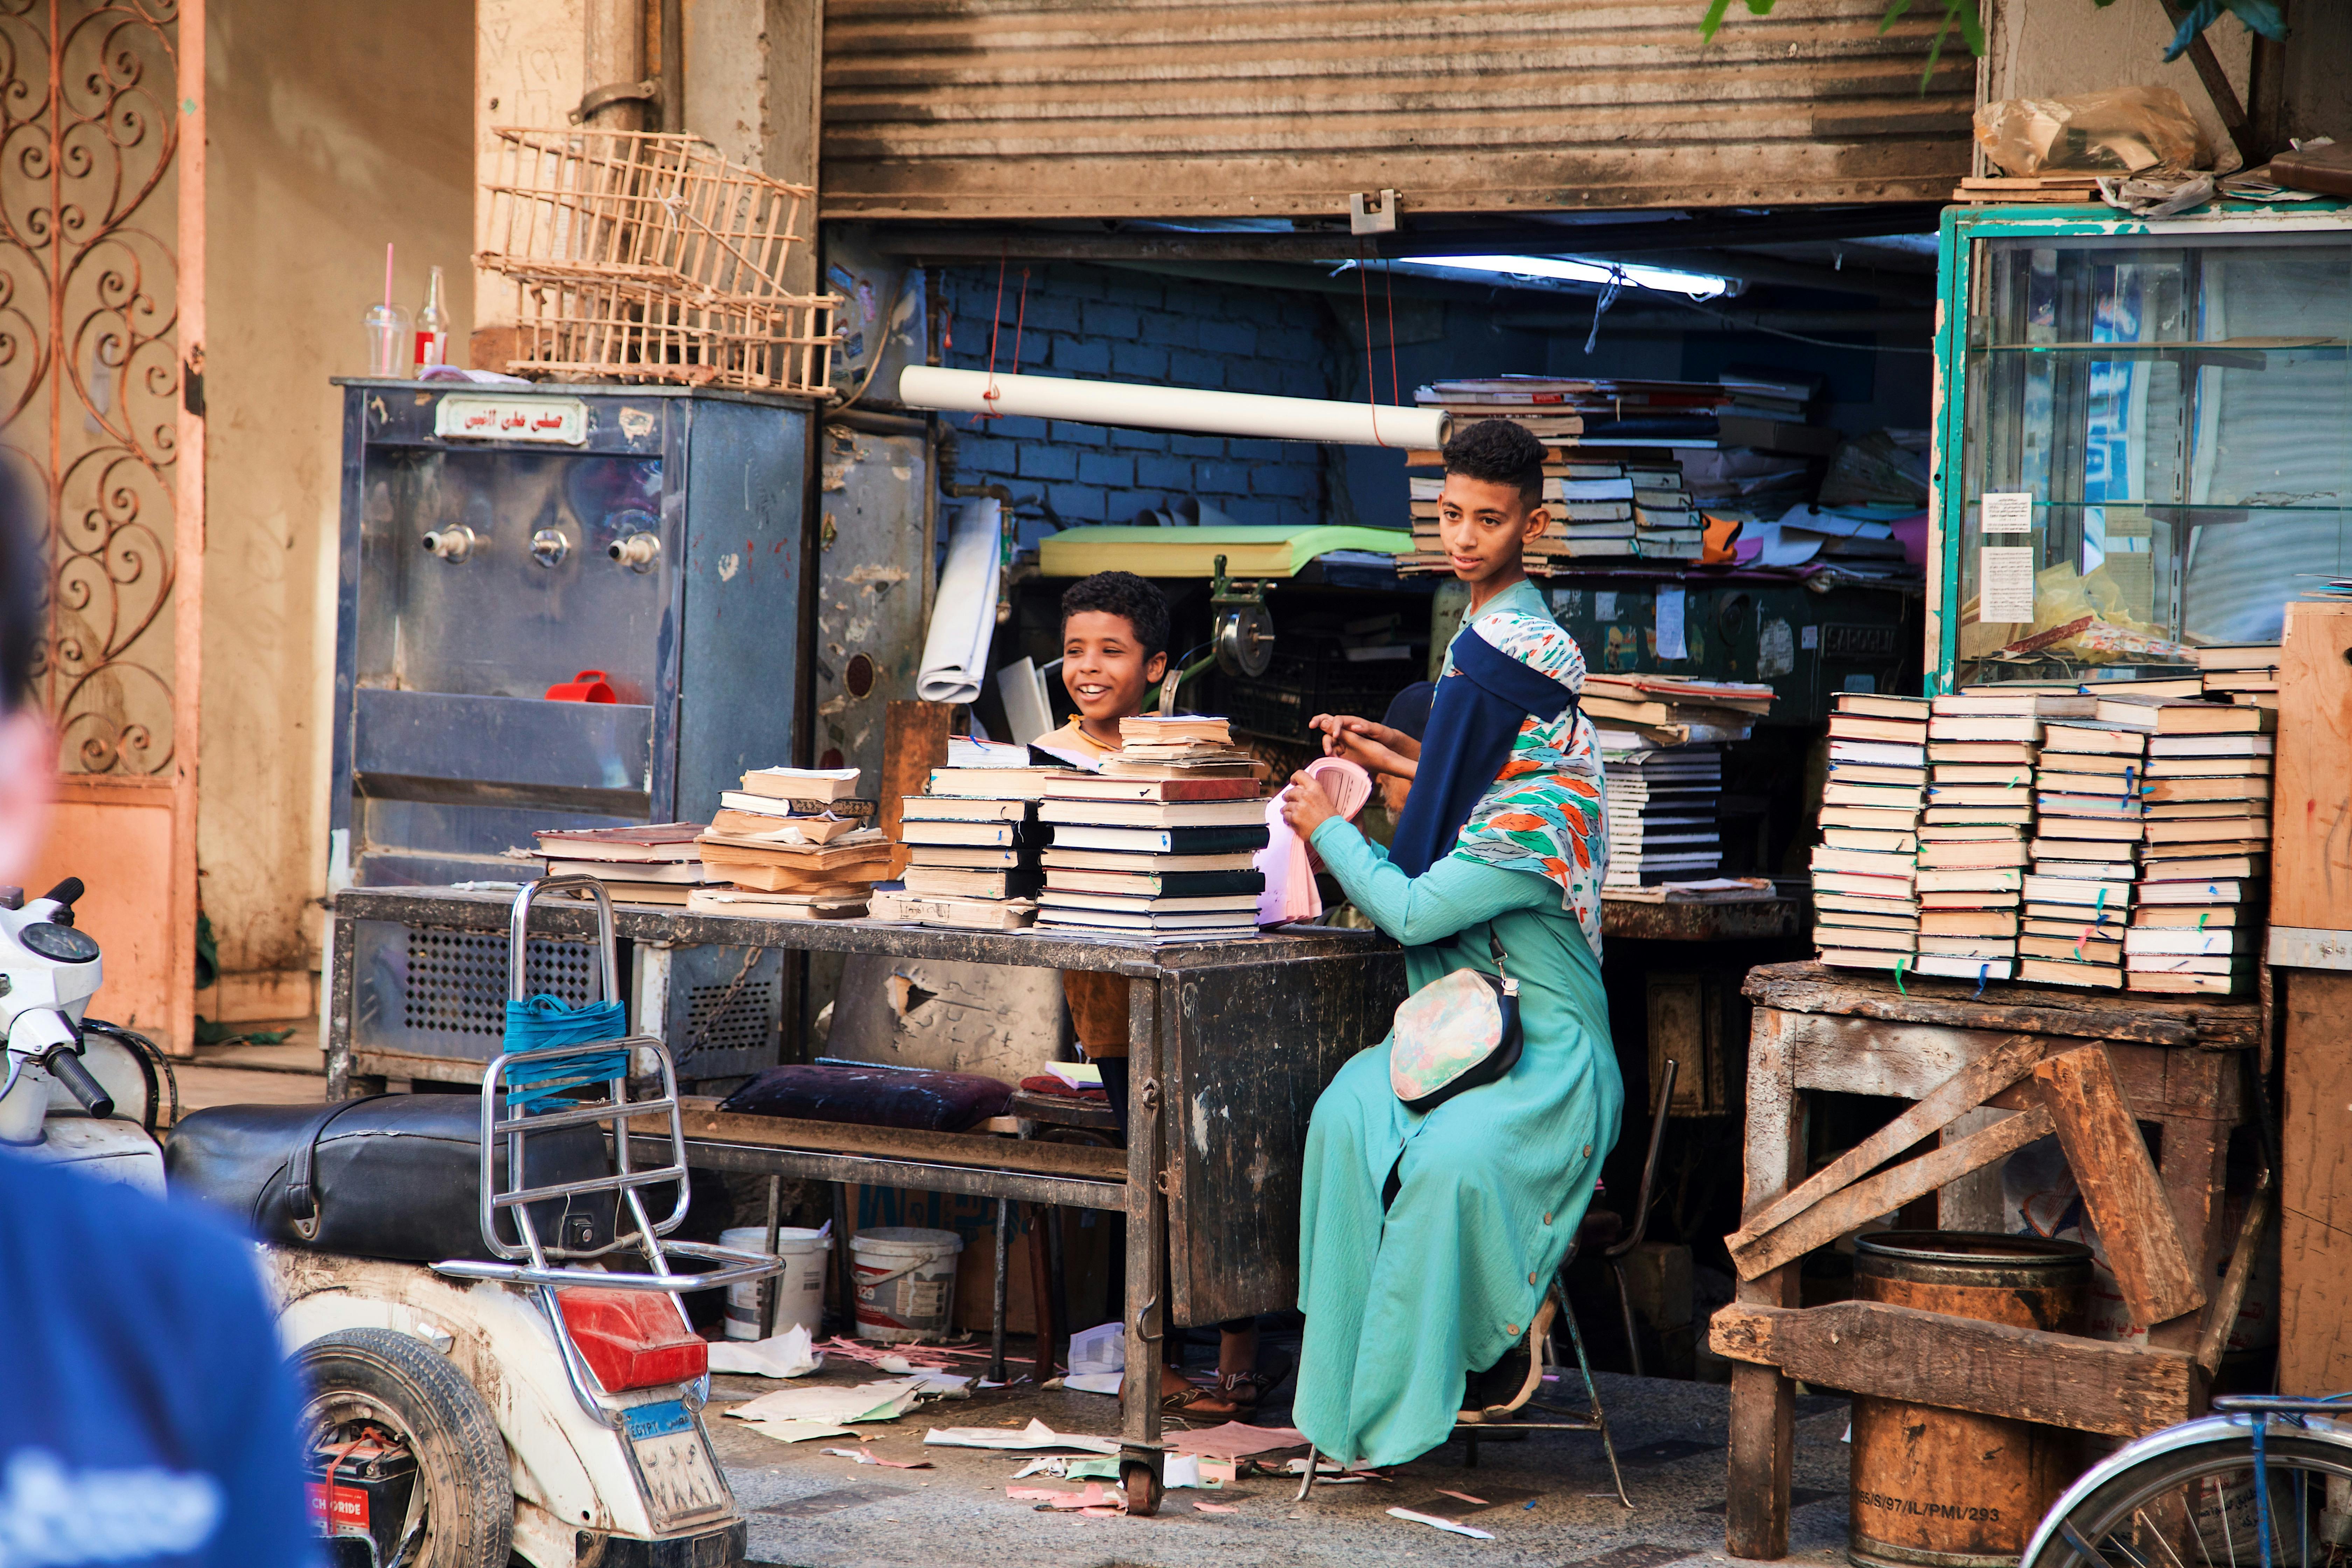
(512, 1116)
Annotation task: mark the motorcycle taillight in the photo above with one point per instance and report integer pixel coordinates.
(632, 1339)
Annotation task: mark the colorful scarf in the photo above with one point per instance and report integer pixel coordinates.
(1547, 810)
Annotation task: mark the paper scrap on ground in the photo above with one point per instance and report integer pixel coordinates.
(1094, 1497)
(868, 1457)
(1216, 1507)
(1094, 1382)
(789, 1431)
(868, 1402)
(1183, 1471)
(1236, 1440)
(1450, 1526)
(788, 1354)
(1036, 1435)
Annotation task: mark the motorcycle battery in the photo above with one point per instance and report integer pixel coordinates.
(359, 1499)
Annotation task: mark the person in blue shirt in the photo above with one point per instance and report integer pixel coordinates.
(147, 1417)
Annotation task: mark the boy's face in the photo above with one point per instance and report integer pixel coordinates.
(1484, 525)
(1104, 667)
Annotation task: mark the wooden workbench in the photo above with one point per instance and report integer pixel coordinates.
(1987, 1069)
(1230, 1043)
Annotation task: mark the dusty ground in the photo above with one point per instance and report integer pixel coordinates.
(809, 1510)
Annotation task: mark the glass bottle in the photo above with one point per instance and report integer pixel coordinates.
(432, 328)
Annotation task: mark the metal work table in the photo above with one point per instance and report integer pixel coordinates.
(1231, 1042)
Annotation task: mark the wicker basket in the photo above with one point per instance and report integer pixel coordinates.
(649, 258)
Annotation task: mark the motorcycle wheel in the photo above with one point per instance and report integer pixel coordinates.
(462, 1515)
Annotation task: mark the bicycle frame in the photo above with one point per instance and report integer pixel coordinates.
(2250, 1412)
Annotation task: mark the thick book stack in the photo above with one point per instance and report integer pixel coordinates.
(2204, 841)
(793, 843)
(657, 864)
(2246, 673)
(1160, 842)
(1976, 856)
(1661, 739)
(2086, 849)
(972, 842)
(1867, 910)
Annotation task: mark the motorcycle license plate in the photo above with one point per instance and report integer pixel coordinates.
(681, 1483)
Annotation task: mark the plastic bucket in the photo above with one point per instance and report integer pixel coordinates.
(905, 1282)
(800, 1298)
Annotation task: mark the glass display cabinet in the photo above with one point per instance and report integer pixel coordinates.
(2155, 415)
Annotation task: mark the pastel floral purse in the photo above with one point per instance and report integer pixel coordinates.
(1454, 1034)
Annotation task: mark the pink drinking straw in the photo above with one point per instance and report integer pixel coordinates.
(387, 275)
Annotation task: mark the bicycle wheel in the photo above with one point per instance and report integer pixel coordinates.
(2196, 1506)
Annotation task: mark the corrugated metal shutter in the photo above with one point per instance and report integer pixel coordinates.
(1002, 109)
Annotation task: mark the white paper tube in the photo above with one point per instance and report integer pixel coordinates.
(963, 611)
(1171, 408)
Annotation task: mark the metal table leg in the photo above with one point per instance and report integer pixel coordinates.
(342, 979)
(1140, 1456)
(1003, 1251)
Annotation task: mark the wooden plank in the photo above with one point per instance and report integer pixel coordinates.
(1644, 920)
(1906, 1061)
(1814, 987)
(2119, 1185)
(2193, 1163)
(2011, 1059)
(702, 1119)
(2311, 826)
(1763, 1438)
(1963, 1363)
(1833, 1217)
(914, 741)
(2316, 1184)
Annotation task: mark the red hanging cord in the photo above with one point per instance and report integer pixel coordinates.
(1372, 383)
(995, 320)
(1020, 316)
(1396, 392)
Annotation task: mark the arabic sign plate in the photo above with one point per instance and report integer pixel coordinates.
(680, 1482)
(479, 416)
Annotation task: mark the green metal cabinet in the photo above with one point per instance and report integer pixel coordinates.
(2162, 410)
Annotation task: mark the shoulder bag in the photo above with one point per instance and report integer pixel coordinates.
(1455, 1034)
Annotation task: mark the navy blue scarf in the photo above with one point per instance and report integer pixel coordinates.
(1473, 721)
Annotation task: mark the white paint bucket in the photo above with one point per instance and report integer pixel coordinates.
(800, 1298)
(905, 1282)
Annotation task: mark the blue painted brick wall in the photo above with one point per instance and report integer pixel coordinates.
(1105, 323)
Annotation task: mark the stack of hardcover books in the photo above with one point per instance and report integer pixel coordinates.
(2205, 831)
(1867, 909)
(1160, 841)
(1973, 850)
(972, 840)
(793, 843)
(2085, 850)
(658, 864)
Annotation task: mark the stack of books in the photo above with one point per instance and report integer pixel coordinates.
(972, 840)
(1160, 842)
(792, 844)
(1661, 739)
(2085, 850)
(2243, 673)
(1867, 910)
(1973, 849)
(2205, 830)
(658, 864)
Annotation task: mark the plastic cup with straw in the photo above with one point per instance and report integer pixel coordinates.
(387, 331)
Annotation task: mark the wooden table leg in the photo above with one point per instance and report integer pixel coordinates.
(2195, 1168)
(1763, 1401)
(1146, 1227)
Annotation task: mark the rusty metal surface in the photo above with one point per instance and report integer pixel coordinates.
(1024, 109)
(1632, 919)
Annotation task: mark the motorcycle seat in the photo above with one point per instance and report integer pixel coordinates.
(391, 1176)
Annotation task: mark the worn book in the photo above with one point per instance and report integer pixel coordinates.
(1969, 922)
(1144, 883)
(1869, 842)
(2095, 739)
(785, 829)
(1116, 860)
(1967, 946)
(2052, 971)
(1978, 795)
(2229, 890)
(1203, 922)
(1974, 833)
(2212, 940)
(2191, 873)
(2007, 775)
(1160, 840)
(951, 882)
(952, 808)
(684, 873)
(1861, 864)
(1882, 705)
(1243, 905)
(2205, 788)
(1826, 934)
(1993, 702)
(1868, 919)
(970, 857)
(1829, 898)
(1869, 774)
(2237, 655)
(656, 842)
(2199, 829)
(1855, 727)
(1113, 787)
(776, 905)
(2172, 746)
(2078, 890)
(2202, 917)
(1004, 834)
(1878, 795)
(2021, 753)
(1984, 726)
(993, 783)
(1970, 879)
(1877, 754)
(802, 784)
(896, 904)
(2104, 764)
(1864, 958)
(1154, 813)
(1980, 970)
(1896, 888)
(1878, 818)
(1958, 854)
(1937, 816)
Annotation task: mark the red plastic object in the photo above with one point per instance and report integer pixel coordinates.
(588, 685)
(632, 1339)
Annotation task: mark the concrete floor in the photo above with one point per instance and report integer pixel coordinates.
(809, 1510)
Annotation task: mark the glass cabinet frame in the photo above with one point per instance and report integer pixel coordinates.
(2011, 414)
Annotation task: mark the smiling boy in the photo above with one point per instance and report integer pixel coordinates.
(1491, 505)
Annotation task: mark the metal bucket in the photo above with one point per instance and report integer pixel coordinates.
(1949, 1488)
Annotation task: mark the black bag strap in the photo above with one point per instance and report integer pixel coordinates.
(1495, 946)
(302, 1195)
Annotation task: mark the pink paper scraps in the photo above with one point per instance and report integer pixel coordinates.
(1236, 1440)
(1214, 1508)
(1286, 861)
(1096, 1500)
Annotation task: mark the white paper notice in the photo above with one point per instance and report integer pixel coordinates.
(1671, 641)
(2007, 511)
(2005, 585)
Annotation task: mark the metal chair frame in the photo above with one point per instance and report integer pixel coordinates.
(1595, 1419)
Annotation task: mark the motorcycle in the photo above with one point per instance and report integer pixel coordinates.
(485, 1313)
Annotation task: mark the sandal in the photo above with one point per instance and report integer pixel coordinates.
(1231, 1395)
(1502, 1390)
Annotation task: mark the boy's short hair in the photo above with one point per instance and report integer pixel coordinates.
(1123, 594)
(20, 594)
(1501, 453)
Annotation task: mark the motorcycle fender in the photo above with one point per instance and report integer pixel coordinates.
(567, 1465)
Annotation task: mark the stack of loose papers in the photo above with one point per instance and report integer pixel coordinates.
(796, 1414)
(1867, 910)
(793, 843)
